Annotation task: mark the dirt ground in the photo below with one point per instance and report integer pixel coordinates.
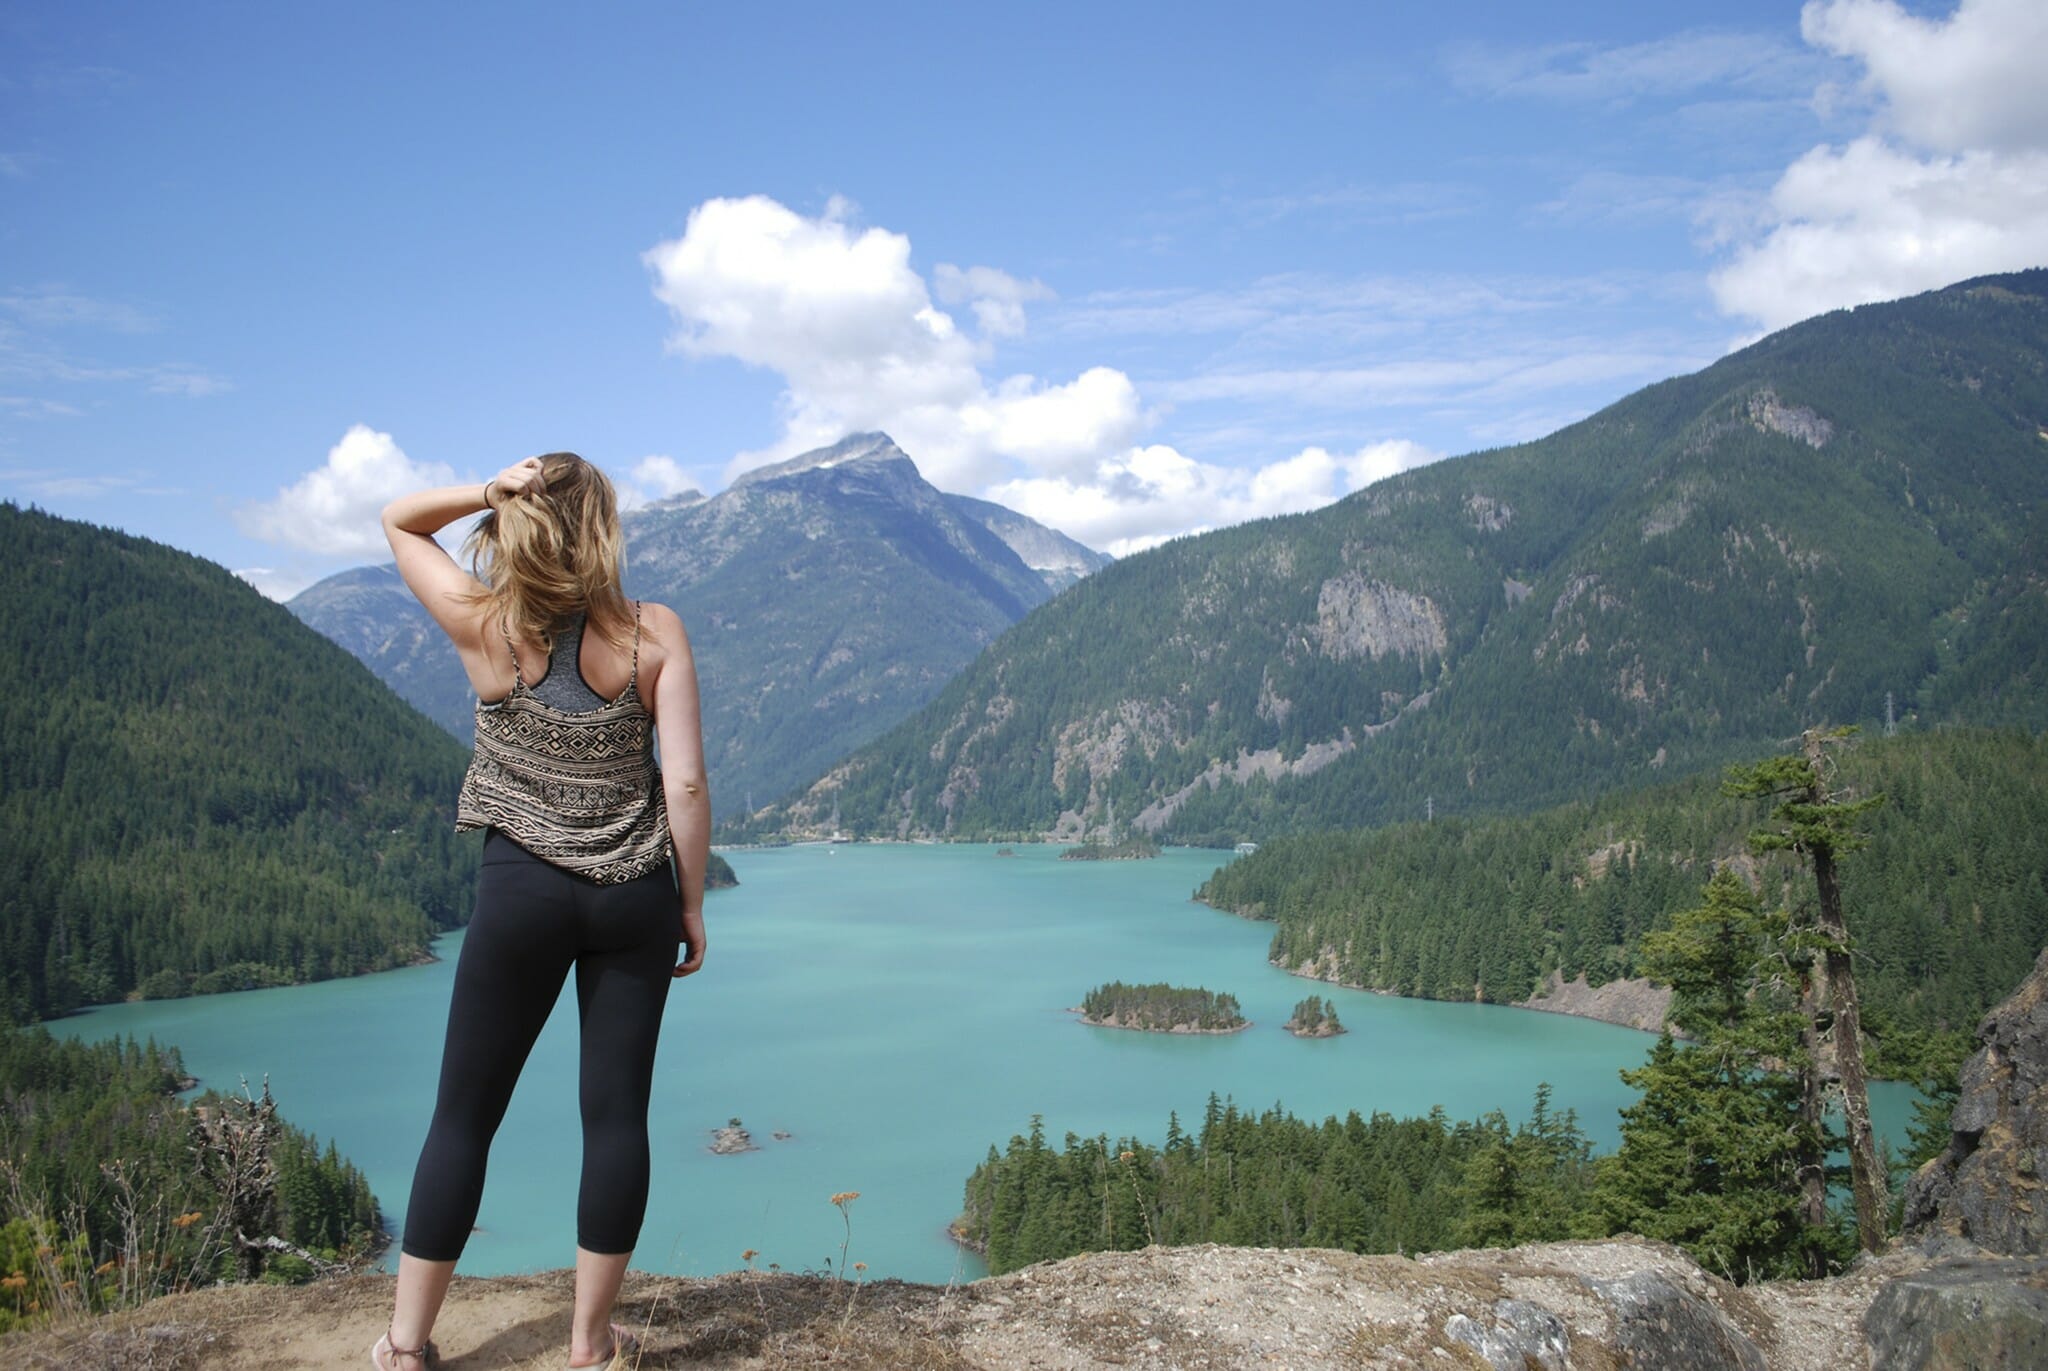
(1180, 1309)
(506, 1322)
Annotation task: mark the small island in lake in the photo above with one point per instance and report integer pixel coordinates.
(732, 1139)
(1137, 847)
(1162, 1008)
(1315, 1017)
(718, 874)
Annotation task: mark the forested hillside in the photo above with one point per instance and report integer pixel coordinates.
(1948, 904)
(1845, 514)
(111, 1190)
(201, 792)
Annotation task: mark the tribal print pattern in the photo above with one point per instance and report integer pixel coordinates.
(578, 789)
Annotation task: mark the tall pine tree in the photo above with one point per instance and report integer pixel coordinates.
(1814, 819)
(1712, 1156)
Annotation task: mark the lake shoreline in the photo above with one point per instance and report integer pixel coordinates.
(1613, 1010)
(1635, 1003)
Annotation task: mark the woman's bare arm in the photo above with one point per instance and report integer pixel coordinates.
(678, 723)
(442, 587)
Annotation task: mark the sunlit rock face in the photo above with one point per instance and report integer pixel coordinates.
(1986, 1187)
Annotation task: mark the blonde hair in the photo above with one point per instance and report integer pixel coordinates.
(545, 555)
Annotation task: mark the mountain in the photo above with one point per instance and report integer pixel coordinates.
(369, 611)
(827, 597)
(201, 793)
(1843, 518)
(1053, 555)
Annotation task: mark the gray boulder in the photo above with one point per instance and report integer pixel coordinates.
(1658, 1323)
(1962, 1316)
(1524, 1337)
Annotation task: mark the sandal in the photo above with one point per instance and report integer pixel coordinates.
(384, 1347)
(623, 1344)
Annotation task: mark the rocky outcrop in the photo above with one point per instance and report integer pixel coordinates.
(1269, 763)
(1635, 1003)
(1769, 415)
(1488, 515)
(732, 1140)
(1980, 1206)
(1986, 1186)
(1356, 617)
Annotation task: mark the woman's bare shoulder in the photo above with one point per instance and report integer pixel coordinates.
(660, 622)
(662, 629)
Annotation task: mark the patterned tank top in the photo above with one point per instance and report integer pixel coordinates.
(576, 788)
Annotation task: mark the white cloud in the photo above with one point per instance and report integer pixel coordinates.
(1970, 81)
(275, 584)
(654, 477)
(853, 330)
(336, 509)
(1059, 427)
(862, 341)
(996, 297)
(1145, 495)
(1874, 222)
(663, 476)
(1952, 182)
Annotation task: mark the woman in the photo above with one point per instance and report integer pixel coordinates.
(572, 682)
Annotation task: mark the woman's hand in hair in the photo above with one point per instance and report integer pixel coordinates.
(519, 478)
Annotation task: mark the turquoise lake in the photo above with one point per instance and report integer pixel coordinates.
(895, 1010)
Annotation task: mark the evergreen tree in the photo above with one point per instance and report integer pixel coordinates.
(1812, 818)
(1713, 1157)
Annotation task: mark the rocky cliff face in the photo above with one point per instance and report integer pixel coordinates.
(1058, 559)
(1978, 1207)
(1986, 1186)
(1357, 617)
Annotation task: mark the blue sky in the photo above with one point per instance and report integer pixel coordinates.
(1135, 269)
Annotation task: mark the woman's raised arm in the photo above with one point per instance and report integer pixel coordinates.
(410, 522)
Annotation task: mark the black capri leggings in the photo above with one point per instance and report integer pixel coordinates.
(533, 921)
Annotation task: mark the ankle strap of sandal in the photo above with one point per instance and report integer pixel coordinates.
(391, 1346)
